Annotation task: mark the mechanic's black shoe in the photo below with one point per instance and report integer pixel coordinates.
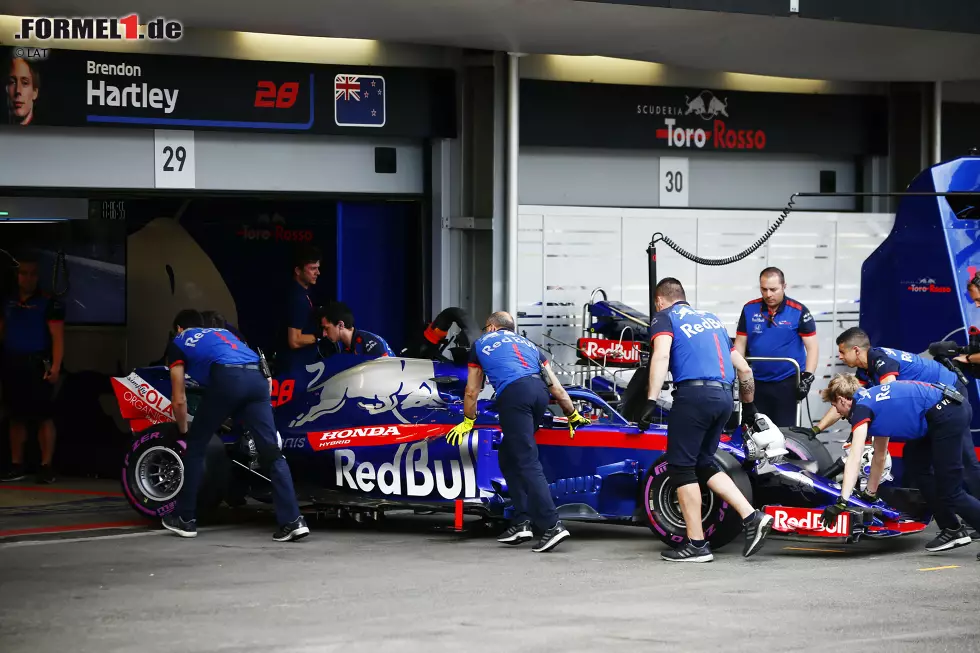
(689, 553)
(756, 530)
(517, 534)
(183, 528)
(948, 539)
(294, 530)
(551, 538)
(15, 473)
(46, 475)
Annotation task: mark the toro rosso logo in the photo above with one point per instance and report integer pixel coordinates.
(275, 229)
(708, 107)
(925, 284)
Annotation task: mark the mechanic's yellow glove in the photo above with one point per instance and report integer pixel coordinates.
(574, 421)
(455, 436)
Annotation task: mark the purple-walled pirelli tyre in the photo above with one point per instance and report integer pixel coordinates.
(153, 472)
(720, 521)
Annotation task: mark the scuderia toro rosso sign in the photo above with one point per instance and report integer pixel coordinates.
(700, 122)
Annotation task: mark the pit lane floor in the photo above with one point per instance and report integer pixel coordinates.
(403, 587)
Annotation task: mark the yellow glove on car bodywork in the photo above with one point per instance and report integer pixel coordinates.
(455, 436)
(575, 420)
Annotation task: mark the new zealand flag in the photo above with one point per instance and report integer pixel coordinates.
(359, 100)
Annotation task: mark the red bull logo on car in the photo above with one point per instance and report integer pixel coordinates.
(708, 107)
(806, 521)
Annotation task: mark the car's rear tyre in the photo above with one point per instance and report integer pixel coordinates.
(720, 521)
(153, 472)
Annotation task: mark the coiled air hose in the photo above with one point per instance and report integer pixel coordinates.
(659, 237)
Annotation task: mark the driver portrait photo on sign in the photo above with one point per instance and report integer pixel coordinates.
(22, 86)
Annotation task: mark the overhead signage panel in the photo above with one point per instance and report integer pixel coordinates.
(576, 114)
(79, 88)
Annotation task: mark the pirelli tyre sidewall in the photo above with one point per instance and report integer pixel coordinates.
(153, 472)
(720, 520)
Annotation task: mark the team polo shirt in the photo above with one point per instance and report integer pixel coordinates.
(506, 357)
(777, 334)
(300, 310)
(896, 410)
(198, 349)
(700, 348)
(885, 363)
(26, 323)
(367, 344)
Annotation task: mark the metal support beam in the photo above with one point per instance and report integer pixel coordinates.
(513, 142)
(937, 122)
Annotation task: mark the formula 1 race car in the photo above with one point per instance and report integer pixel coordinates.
(364, 436)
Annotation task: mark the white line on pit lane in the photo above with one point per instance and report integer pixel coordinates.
(116, 536)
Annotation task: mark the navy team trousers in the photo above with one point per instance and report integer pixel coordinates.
(521, 406)
(242, 394)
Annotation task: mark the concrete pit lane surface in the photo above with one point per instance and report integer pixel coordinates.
(404, 587)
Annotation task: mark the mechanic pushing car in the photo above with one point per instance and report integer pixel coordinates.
(694, 346)
(237, 385)
(778, 326)
(877, 366)
(337, 324)
(932, 420)
(522, 379)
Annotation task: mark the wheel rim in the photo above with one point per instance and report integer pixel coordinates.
(671, 506)
(159, 473)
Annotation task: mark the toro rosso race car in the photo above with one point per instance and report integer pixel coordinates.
(365, 436)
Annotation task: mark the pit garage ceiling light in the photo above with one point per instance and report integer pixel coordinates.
(610, 70)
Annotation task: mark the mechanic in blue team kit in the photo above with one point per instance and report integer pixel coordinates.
(301, 325)
(337, 324)
(694, 346)
(778, 326)
(236, 384)
(933, 421)
(880, 366)
(522, 379)
(32, 328)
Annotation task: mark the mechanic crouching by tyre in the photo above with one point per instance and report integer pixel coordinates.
(522, 379)
(878, 366)
(236, 385)
(933, 421)
(694, 346)
(777, 326)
